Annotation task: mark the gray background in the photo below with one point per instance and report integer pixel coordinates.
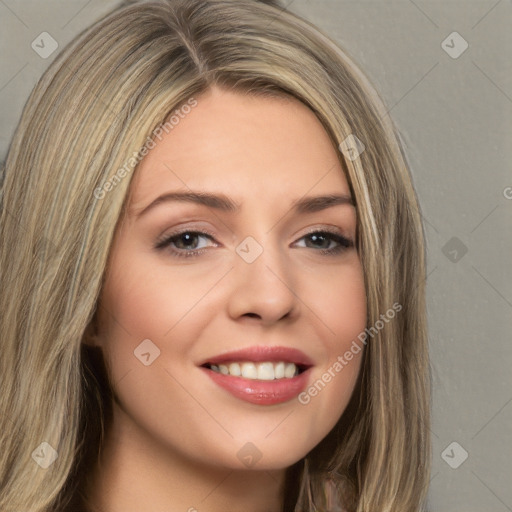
(455, 115)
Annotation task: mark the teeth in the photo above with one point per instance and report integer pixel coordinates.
(258, 371)
(249, 371)
(266, 371)
(289, 370)
(279, 370)
(234, 369)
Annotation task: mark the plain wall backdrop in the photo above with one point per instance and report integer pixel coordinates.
(445, 72)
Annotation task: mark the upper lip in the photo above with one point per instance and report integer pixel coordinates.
(261, 354)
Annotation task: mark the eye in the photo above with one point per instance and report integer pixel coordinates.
(186, 243)
(327, 241)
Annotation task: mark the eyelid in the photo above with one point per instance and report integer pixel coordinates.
(326, 229)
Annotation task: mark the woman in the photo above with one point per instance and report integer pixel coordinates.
(212, 275)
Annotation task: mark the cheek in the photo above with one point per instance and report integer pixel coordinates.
(133, 308)
(138, 305)
(142, 301)
(340, 304)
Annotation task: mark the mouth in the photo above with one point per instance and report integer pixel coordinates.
(260, 375)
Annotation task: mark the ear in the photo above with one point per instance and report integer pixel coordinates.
(90, 336)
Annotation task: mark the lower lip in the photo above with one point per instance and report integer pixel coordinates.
(261, 392)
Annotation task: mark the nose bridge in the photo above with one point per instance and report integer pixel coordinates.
(264, 256)
(263, 280)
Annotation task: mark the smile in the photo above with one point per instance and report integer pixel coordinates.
(261, 375)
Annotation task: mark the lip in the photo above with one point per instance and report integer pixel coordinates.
(261, 392)
(262, 354)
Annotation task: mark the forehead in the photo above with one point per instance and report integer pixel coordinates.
(241, 144)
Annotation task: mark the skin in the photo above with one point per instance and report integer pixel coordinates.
(175, 435)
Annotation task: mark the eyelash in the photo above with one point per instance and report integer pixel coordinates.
(344, 243)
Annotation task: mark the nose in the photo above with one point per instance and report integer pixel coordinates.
(263, 290)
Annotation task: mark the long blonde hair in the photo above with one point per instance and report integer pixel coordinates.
(95, 107)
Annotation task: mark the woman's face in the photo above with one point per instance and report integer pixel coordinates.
(217, 268)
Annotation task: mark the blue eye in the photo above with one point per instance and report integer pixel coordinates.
(192, 243)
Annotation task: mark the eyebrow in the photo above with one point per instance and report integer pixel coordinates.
(223, 203)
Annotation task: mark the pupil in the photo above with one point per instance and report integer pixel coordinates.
(320, 240)
(188, 240)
